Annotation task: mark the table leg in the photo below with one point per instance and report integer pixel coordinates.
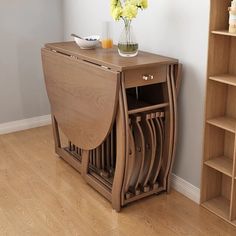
(56, 133)
(120, 155)
(175, 121)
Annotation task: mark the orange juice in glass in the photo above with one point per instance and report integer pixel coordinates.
(107, 41)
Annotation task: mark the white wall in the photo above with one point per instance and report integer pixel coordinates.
(25, 25)
(173, 28)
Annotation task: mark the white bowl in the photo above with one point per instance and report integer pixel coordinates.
(88, 42)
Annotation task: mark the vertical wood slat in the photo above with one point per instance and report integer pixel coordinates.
(80, 152)
(232, 214)
(94, 157)
(108, 155)
(90, 158)
(98, 158)
(112, 151)
(70, 146)
(103, 158)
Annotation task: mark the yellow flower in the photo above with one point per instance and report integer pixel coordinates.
(116, 9)
(130, 11)
(143, 4)
(115, 3)
(116, 12)
(139, 3)
(127, 9)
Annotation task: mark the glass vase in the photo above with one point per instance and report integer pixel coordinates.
(127, 45)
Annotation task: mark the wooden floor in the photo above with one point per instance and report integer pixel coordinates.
(41, 195)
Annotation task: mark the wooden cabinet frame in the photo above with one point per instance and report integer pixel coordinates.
(89, 93)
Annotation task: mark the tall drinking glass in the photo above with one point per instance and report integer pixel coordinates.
(107, 41)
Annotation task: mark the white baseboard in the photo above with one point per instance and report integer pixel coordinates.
(30, 123)
(184, 187)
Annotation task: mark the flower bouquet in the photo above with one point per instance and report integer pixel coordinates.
(127, 10)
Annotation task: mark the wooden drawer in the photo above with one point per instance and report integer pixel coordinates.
(145, 76)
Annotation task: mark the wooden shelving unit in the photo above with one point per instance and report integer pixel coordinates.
(218, 190)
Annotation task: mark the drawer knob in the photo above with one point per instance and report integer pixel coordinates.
(148, 77)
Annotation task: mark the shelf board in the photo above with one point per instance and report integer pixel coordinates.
(226, 79)
(148, 108)
(223, 32)
(221, 164)
(136, 106)
(219, 205)
(225, 123)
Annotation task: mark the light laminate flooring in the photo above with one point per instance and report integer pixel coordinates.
(40, 194)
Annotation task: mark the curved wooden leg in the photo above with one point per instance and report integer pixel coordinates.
(169, 134)
(140, 142)
(120, 155)
(131, 162)
(174, 99)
